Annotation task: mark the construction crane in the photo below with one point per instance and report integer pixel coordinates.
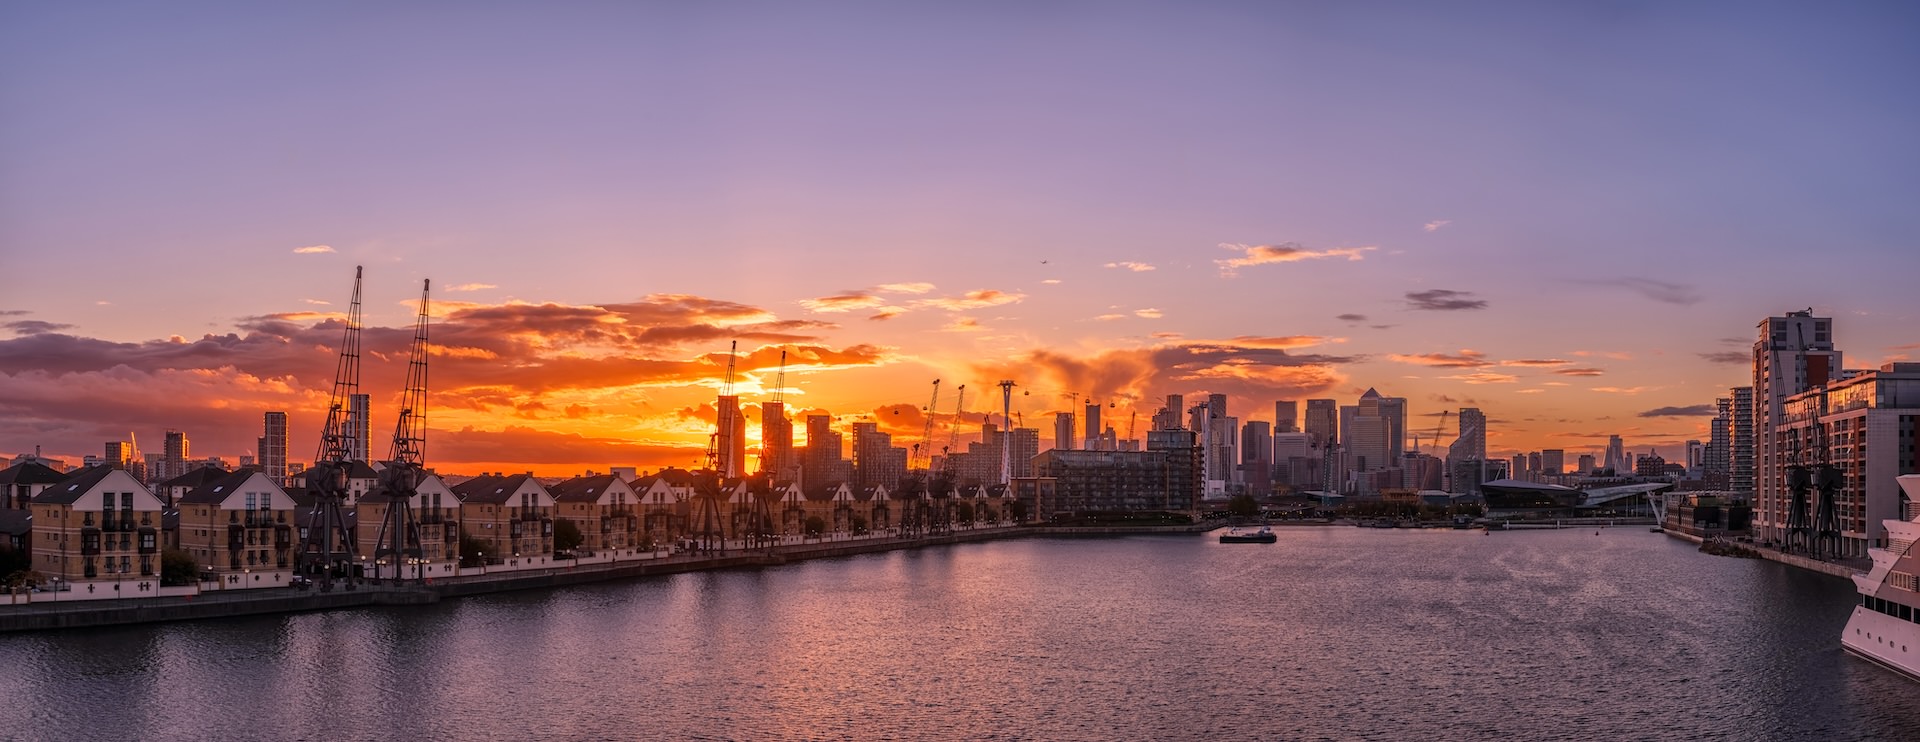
(399, 538)
(1435, 440)
(1006, 423)
(1131, 420)
(773, 451)
(953, 428)
(926, 431)
(328, 551)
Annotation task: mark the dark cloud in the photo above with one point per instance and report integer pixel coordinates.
(1727, 357)
(1580, 371)
(1660, 291)
(33, 326)
(1352, 317)
(1697, 410)
(1464, 359)
(1443, 300)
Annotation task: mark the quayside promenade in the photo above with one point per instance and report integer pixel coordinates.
(45, 611)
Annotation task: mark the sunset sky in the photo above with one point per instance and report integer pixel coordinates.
(1569, 215)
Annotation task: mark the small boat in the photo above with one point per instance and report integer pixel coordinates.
(1236, 536)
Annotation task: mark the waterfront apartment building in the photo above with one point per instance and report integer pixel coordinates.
(511, 513)
(1868, 427)
(436, 510)
(604, 508)
(1110, 481)
(96, 523)
(238, 522)
(1793, 353)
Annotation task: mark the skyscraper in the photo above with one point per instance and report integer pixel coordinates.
(1322, 421)
(776, 442)
(175, 459)
(1719, 443)
(1063, 431)
(1256, 456)
(1393, 413)
(1617, 456)
(1553, 461)
(731, 427)
(823, 464)
(1793, 353)
(1740, 466)
(1093, 424)
(1368, 432)
(1467, 456)
(273, 447)
(1170, 416)
(359, 427)
(1286, 416)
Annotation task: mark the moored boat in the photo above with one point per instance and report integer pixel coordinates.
(1885, 625)
(1236, 536)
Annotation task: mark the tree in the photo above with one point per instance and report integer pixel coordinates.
(13, 560)
(566, 535)
(1243, 506)
(1019, 510)
(858, 524)
(473, 551)
(966, 512)
(815, 526)
(178, 568)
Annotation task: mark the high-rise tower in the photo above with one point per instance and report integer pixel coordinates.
(1792, 354)
(359, 426)
(273, 447)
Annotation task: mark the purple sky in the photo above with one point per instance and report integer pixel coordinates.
(1626, 186)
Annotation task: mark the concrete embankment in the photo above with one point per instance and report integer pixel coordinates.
(59, 615)
(1792, 560)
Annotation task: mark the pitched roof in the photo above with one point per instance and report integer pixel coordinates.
(69, 491)
(489, 488)
(30, 472)
(216, 491)
(582, 489)
(199, 476)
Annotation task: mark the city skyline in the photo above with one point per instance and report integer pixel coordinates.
(1570, 219)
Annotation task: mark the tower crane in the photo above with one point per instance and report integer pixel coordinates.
(328, 550)
(399, 537)
(953, 427)
(1435, 440)
(926, 431)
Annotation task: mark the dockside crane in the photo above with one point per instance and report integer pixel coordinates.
(710, 485)
(328, 552)
(398, 542)
(923, 458)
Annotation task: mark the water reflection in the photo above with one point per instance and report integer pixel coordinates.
(1339, 633)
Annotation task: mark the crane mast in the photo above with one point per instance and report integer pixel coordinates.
(328, 551)
(953, 427)
(924, 457)
(398, 542)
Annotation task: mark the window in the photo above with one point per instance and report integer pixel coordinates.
(126, 501)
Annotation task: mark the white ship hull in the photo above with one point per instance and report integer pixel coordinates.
(1884, 640)
(1885, 625)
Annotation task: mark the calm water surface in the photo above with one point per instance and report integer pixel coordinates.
(1333, 633)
